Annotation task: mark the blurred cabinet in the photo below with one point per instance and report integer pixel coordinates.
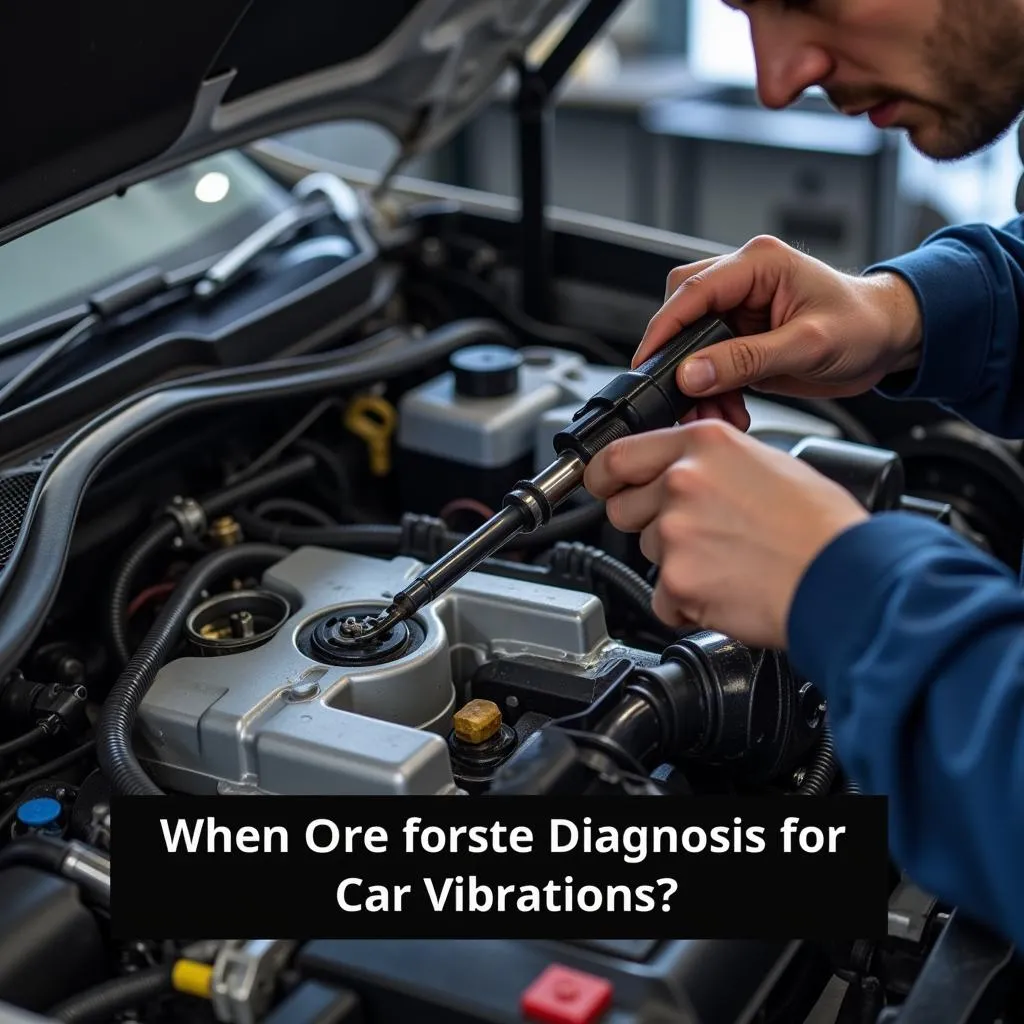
(728, 170)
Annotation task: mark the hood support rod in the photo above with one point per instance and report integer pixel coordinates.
(534, 110)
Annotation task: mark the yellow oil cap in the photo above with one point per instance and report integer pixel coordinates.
(478, 721)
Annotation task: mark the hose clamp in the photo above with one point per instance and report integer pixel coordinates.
(190, 517)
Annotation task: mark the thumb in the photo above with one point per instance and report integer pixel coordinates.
(789, 350)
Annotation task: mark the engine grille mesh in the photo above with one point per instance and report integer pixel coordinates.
(15, 495)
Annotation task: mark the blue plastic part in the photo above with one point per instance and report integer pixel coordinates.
(40, 812)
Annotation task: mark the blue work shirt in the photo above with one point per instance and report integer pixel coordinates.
(915, 636)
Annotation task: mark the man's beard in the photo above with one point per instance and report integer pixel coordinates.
(978, 57)
(976, 60)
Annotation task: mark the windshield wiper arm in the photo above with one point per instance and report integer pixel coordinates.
(234, 263)
(110, 302)
(149, 284)
(336, 200)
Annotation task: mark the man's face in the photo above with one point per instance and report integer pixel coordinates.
(950, 72)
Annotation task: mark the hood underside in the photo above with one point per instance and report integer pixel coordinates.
(107, 93)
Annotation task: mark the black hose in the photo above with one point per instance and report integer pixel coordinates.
(378, 538)
(624, 581)
(345, 503)
(364, 538)
(36, 852)
(22, 742)
(50, 768)
(162, 533)
(254, 487)
(98, 1005)
(822, 770)
(120, 709)
(27, 595)
(290, 506)
(7, 821)
(145, 548)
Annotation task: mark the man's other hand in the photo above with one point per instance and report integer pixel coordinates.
(802, 328)
(732, 523)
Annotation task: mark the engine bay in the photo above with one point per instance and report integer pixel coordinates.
(179, 572)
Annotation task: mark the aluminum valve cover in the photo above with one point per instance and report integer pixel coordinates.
(281, 719)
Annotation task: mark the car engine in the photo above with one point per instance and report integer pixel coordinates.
(232, 526)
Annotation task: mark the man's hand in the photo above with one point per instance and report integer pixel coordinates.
(802, 328)
(732, 523)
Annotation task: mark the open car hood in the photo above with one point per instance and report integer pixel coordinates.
(108, 93)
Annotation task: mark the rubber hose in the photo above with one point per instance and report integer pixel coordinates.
(48, 769)
(120, 709)
(372, 537)
(162, 533)
(155, 539)
(27, 596)
(386, 539)
(289, 506)
(245, 490)
(36, 852)
(823, 767)
(98, 1005)
(627, 583)
(22, 742)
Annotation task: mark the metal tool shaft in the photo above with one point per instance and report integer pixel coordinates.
(638, 400)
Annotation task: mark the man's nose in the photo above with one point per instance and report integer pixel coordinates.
(786, 64)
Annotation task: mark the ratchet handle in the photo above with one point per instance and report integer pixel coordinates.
(642, 399)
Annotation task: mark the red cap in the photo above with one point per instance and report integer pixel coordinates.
(562, 995)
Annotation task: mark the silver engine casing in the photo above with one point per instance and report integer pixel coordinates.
(273, 720)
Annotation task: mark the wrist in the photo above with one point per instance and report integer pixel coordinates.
(903, 323)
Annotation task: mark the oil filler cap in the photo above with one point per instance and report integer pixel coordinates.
(486, 371)
(42, 813)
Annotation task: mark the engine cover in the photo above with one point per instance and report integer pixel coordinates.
(291, 717)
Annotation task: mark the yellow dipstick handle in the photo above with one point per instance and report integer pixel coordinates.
(373, 419)
(193, 978)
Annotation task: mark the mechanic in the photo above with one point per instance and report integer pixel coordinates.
(915, 637)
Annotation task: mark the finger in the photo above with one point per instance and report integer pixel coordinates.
(720, 287)
(635, 508)
(730, 408)
(734, 409)
(678, 275)
(709, 409)
(634, 461)
(797, 349)
(650, 544)
(669, 611)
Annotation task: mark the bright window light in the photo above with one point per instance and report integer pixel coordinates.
(212, 187)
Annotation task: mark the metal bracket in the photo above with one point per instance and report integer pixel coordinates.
(190, 517)
(533, 109)
(245, 975)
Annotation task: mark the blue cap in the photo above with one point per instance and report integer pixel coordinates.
(40, 812)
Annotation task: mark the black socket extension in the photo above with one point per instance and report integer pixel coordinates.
(643, 399)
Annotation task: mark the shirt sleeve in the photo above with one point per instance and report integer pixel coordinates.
(969, 283)
(917, 641)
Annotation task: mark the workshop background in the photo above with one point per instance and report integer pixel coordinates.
(659, 125)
